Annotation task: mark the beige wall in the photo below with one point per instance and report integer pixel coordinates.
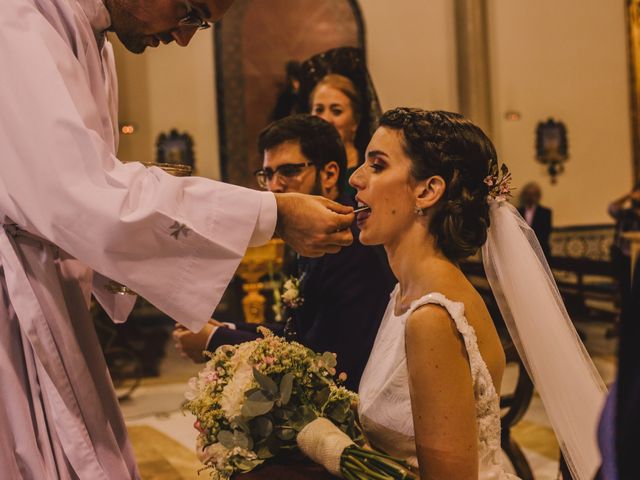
(170, 87)
(411, 52)
(565, 59)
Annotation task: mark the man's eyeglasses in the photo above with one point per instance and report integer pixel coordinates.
(287, 171)
(193, 19)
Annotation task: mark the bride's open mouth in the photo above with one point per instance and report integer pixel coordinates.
(363, 212)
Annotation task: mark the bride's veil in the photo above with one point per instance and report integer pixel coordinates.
(569, 385)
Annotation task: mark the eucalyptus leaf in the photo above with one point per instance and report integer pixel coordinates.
(242, 440)
(265, 382)
(259, 396)
(240, 423)
(264, 452)
(245, 465)
(338, 412)
(251, 391)
(307, 413)
(286, 387)
(321, 396)
(263, 426)
(329, 360)
(286, 434)
(282, 413)
(225, 437)
(252, 408)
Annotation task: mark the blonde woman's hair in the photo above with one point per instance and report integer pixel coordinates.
(344, 85)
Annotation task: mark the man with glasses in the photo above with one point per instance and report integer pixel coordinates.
(345, 294)
(72, 216)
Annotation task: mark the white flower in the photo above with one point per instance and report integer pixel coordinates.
(192, 389)
(290, 295)
(241, 381)
(216, 454)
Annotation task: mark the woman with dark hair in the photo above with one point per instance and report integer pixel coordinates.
(428, 375)
(336, 86)
(430, 391)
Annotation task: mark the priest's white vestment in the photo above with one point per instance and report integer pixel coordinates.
(73, 216)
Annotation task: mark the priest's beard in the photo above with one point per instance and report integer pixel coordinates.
(127, 26)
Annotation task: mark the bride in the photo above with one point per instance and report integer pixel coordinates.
(430, 391)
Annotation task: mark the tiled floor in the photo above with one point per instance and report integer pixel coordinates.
(163, 436)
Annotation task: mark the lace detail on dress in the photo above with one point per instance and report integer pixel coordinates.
(487, 400)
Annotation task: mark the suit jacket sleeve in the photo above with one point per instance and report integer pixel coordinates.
(229, 336)
(346, 301)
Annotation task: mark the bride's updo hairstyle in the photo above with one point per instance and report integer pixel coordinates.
(449, 145)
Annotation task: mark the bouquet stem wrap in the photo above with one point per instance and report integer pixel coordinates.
(324, 443)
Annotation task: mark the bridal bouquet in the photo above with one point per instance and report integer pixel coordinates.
(257, 399)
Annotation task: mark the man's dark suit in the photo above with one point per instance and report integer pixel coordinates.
(628, 404)
(345, 296)
(541, 225)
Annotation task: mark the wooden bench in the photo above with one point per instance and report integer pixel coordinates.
(583, 271)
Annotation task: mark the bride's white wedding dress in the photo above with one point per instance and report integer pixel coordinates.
(385, 405)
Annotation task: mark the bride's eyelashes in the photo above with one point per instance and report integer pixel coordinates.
(376, 165)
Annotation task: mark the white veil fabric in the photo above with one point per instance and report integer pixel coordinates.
(569, 385)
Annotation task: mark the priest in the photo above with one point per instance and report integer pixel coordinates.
(73, 217)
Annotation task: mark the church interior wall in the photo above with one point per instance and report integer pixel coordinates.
(565, 60)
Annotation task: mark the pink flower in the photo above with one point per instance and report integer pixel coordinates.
(198, 426)
(342, 377)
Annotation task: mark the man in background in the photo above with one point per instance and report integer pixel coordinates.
(536, 216)
(346, 294)
(626, 212)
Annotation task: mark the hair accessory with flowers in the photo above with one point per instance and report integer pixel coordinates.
(499, 185)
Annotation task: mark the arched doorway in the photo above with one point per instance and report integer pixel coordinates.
(253, 44)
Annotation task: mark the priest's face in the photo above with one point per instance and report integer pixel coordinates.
(385, 184)
(147, 23)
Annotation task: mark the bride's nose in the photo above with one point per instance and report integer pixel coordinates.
(357, 179)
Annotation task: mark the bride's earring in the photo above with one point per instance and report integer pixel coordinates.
(419, 211)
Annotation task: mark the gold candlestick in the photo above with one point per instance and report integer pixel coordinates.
(256, 263)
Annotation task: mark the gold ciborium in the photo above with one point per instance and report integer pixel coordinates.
(257, 262)
(177, 170)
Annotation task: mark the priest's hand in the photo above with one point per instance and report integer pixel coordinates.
(312, 225)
